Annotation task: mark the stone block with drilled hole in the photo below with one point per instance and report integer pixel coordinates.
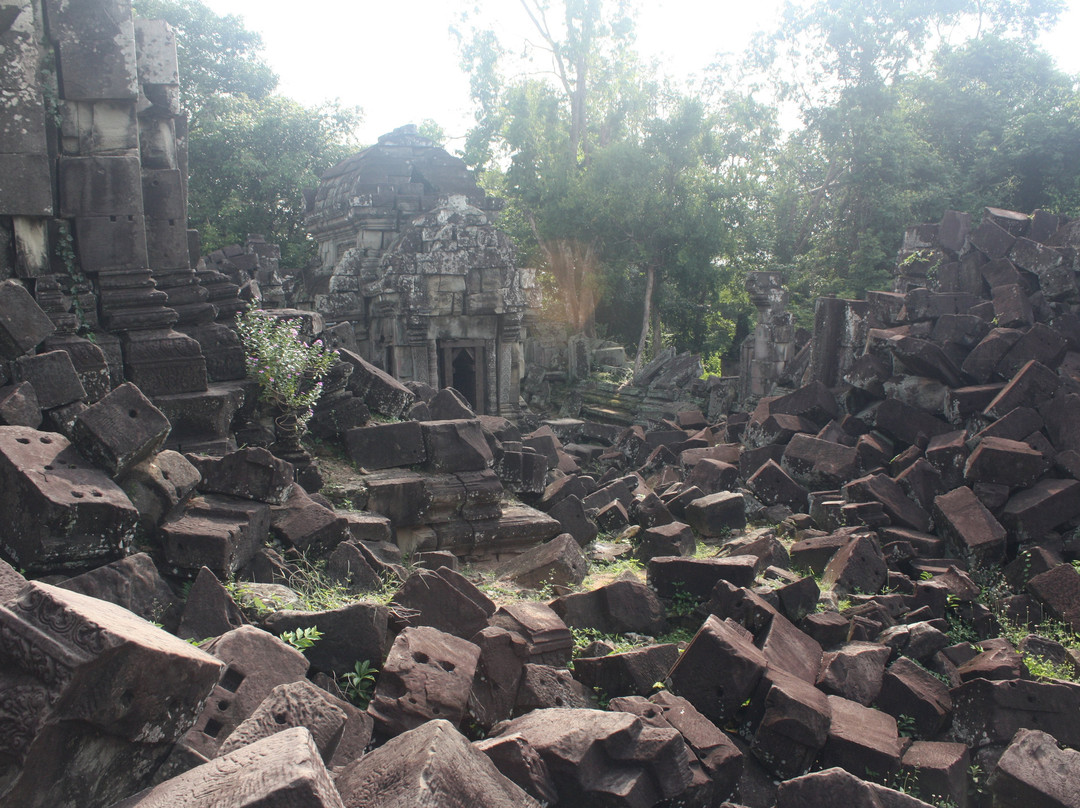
(255, 663)
(122, 429)
(427, 675)
(89, 677)
(60, 512)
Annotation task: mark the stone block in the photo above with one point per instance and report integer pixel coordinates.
(133, 583)
(719, 670)
(27, 187)
(1004, 462)
(60, 511)
(23, 324)
(221, 533)
(1034, 770)
(669, 539)
(380, 391)
(790, 650)
(294, 704)
(444, 600)
(283, 769)
(100, 186)
(881, 488)
(546, 636)
(791, 719)
(120, 430)
(861, 740)
(718, 514)
(819, 465)
(115, 689)
(774, 486)
(19, 406)
(1030, 513)
(427, 675)
(835, 786)
(575, 520)
(357, 631)
(306, 524)
(253, 473)
(696, 577)
(597, 757)
(908, 689)
(433, 763)
(991, 712)
(381, 446)
(543, 687)
(854, 671)
(1032, 385)
(1058, 590)
(111, 243)
(158, 484)
(969, 525)
(938, 770)
(558, 562)
(616, 608)
(631, 673)
(53, 376)
(255, 663)
(456, 445)
(498, 672)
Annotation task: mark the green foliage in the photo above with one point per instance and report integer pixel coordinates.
(359, 683)
(712, 365)
(287, 369)
(302, 638)
(683, 603)
(584, 636)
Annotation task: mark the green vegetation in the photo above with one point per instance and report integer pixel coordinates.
(359, 683)
(302, 638)
(287, 369)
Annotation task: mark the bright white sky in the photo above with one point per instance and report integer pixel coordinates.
(397, 60)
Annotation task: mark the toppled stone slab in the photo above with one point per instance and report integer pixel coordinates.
(1035, 771)
(989, 712)
(133, 583)
(120, 430)
(835, 786)
(719, 670)
(252, 473)
(221, 533)
(294, 704)
(114, 690)
(605, 756)
(61, 512)
(159, 484)
(558, 562)
(354, 632)
(283, 769)
(432, 764)
(427, 675)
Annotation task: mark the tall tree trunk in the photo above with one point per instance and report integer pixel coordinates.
(650, 280)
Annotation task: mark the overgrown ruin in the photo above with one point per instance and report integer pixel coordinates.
(849, 574)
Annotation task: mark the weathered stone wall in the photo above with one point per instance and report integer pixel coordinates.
(93, 192)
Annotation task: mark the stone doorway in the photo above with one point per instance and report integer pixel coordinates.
(461, 366)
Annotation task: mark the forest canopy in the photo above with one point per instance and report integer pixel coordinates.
(646, 202)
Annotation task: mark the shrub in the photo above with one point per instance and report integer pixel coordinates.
(287, 369)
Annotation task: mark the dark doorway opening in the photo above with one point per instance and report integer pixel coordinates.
(461, 366)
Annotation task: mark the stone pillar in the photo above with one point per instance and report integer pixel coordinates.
(768, 349)
(840, 328)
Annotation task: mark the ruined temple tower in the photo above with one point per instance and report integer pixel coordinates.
(411, 258)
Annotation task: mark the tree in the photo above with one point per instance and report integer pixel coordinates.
(873, 153)
(252, 151)
(615, 182)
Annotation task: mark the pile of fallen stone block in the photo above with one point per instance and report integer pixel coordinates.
(852, 651)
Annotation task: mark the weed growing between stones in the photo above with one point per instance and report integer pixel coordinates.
(302, 638)
(358, 685)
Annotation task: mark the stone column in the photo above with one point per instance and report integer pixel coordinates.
(768, 349)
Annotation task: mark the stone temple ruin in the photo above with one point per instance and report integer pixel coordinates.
(411, 259)
(876, 470)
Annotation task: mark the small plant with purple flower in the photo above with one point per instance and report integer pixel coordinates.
(288, 370)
